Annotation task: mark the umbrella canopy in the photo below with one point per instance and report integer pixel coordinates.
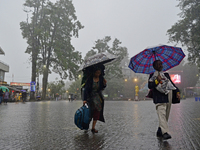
(100, 58)
(169, 55)
(23, 90)
(4, 88)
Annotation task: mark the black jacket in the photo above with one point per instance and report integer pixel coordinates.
(159, 97)
(1, 93)
(88, 94)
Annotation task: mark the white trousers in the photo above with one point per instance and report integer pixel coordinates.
(163, 111)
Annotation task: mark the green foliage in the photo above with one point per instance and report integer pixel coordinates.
(102, 45)
(186, 31)
(75, 88)
(114, 88)
(113, 72)
(117, 87)
(48, 34)
(56, 87)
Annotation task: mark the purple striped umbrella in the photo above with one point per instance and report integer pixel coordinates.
(169, 55)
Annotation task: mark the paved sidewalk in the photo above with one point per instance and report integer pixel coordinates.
(129, 125)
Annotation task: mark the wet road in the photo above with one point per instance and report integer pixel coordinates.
(129, 125)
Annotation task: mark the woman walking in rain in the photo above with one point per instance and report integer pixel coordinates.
(95, 83)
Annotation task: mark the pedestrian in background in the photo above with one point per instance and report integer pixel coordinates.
(1, 96)
(93, 96)
(57, 95)
(162, 100)
(6, 96)
(69, 97)
(24, 97)
(72, 97)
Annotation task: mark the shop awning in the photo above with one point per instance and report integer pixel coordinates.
(11, 88)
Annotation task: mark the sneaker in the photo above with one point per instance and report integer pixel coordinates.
(159, 132)
(166, 136)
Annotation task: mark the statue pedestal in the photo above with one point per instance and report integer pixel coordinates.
(136, 98)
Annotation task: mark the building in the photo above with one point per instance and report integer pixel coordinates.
(3, 68)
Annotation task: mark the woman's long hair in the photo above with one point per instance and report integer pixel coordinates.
(90, 71)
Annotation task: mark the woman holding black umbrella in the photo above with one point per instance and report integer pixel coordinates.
(95, 84)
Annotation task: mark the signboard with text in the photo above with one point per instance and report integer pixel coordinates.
(32, 84)
(17, 87)
(176, 78)
(19, 84)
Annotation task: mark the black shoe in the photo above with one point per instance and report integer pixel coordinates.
(166, 136)
(159, 132)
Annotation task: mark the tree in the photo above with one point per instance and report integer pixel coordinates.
(75, 88)
(186, 31)
(114, 88)
(57, 25)
(30, 32)
(102, 45)
(113, 72)
(56, 87)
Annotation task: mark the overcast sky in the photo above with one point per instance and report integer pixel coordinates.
(136, 23)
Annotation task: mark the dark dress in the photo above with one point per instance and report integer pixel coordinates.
(93, 95)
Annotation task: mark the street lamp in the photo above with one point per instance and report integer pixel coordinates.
(125, 80)
(136, 89)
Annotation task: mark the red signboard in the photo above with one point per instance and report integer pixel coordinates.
(19, 84)
(176, 78)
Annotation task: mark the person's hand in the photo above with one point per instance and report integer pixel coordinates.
(159, 78)
(84, 102)
(104, 81)
(178, 95)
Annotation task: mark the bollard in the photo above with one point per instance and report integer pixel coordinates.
(196, 98)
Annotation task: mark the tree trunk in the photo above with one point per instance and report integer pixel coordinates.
(33, 78)
(44, 83)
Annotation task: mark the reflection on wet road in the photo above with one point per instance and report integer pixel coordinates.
(129, 125)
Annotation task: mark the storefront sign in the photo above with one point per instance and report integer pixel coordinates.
(32, 84)
(19, 84)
